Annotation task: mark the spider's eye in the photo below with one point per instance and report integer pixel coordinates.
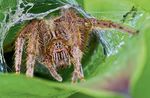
(58, 45)
(86, 24)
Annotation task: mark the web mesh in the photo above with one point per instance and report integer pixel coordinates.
(22, 12)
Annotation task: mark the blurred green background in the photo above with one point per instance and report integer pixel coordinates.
(123, 75)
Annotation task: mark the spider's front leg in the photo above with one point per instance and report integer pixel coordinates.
(18, 52)
(52, 69)
(76, 60)
(32, 52)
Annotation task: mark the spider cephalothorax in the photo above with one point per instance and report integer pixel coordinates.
(59, 42)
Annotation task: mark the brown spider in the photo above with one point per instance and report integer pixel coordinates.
(59, 42)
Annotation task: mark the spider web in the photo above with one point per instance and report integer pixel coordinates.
(22, 13)
(112, 40)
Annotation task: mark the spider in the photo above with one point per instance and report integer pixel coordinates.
(59, 42)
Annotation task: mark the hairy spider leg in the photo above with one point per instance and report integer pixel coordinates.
(19, 43)
(106, 24)
(52, 69)
(76, 60)
(32, 52)
(29, 32)
(18, 53)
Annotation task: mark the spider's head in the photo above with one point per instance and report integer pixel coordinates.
(60, 54)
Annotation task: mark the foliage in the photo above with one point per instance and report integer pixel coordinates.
(131, 63)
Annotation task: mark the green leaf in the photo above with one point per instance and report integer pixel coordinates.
(1, 16)
(143, 4)
(21, 86)
(108, 9)
(140, 83)
(101, 73)
(7, 4)
(11, 37)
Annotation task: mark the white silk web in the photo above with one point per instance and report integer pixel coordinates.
(22, 13)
